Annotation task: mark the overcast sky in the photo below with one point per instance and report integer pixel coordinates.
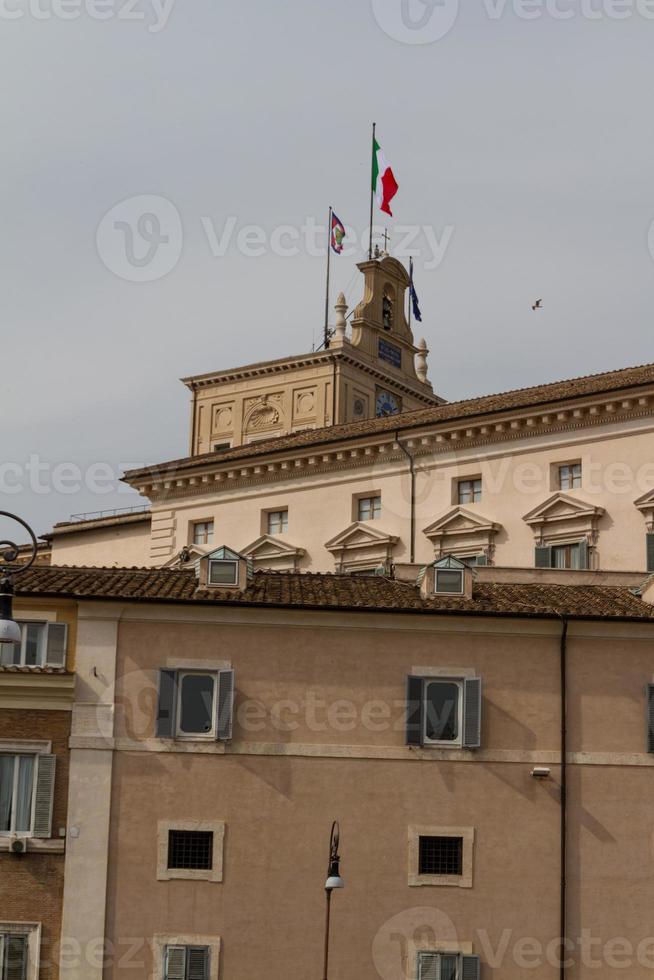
(525, 145)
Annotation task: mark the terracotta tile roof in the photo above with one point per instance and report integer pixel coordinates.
(336, 592)
(558, 391)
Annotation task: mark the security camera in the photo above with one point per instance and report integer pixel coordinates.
(541, 772)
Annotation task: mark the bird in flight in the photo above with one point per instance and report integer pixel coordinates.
(538, 305)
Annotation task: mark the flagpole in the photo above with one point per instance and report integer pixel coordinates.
(329, 255)
(372, 189)
(410, 296)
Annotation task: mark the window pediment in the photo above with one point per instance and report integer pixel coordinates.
(645, 505)
(461, 532)
(563, 517)
(361, 546)
(271, 552)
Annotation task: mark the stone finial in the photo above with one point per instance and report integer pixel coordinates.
(421, 360)
(341, 322)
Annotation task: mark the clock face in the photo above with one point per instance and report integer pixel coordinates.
(387, 404)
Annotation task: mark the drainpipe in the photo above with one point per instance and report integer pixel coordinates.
(412, 470)
(564, 790)
(334, 393)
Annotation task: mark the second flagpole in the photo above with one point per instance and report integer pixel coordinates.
(329, 255)
(372, 187)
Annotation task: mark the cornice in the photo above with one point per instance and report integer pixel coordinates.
(439, 438)
(37, 691)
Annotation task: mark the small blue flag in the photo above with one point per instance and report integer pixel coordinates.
(414, 298)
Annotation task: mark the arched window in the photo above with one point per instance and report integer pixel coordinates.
(387, 310)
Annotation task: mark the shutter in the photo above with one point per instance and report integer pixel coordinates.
(15, 958)
(2, 956)
(482, 560)
(225, 705)
(198, 963)
(55, 651)
(45, 781)
(167, 704)
(472, 713)
(429, 966)
(650, 552)
(470, 968)
(650, 718)
(175, 962)
(414, 710)
(543, 556)
(584, 554)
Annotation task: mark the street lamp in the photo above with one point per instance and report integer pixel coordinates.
(9, 551)
(333, 882)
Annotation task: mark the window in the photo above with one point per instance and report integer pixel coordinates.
(203, 532)
(17, 776)
(187, 963)
(222, 447)
(190, 849)
(196, 704)
(448, 966)
(469, 491)
(441, 856)
(369, 508)
(444, 712)
(449, 581)
(277, 522)
(222, 572)
(13, 956)
(569, 556)
(570, 476)
(387, 312)
(41, 644)
(443, 707)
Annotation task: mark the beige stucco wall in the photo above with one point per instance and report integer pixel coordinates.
(121, 546)
(517, 477)
(309, 748)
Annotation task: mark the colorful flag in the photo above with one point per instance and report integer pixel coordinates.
(414, 298)
(337, 234)
(384, 185)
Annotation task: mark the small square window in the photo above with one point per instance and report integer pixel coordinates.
(570, 476)
(190, 849)
(369, 508)
(449, 581)
(277, 522)
(441, 856)
(203, 532)
(469, 491)
(223, 572)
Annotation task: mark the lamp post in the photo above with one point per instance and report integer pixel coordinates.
(9, 551)
(334, 881)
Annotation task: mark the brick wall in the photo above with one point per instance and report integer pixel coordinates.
(31, 886)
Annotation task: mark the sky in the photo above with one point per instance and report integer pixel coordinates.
(166, 162)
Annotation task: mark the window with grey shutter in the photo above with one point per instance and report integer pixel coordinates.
(15, 958)
(55, 651)
(650, 718)
(44, 798)
(197, 963)
(414, 710)
(225, 705)
(472, 713)
(167, 705)
(429, 966)
(176, 963)
(650, 552)
(543, 556)
(470, 968)
(584, 554)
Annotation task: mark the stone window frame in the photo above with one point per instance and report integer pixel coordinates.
(32, 930)
(162, 940)
(214, 874)
(464, 880)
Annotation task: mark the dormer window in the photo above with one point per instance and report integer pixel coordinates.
(446, 577)
(449, 581)
(223, 572)
(387, 312)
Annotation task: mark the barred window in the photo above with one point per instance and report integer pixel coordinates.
(192, 849)
(441, 856)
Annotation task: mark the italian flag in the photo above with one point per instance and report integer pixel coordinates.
(384, 184)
